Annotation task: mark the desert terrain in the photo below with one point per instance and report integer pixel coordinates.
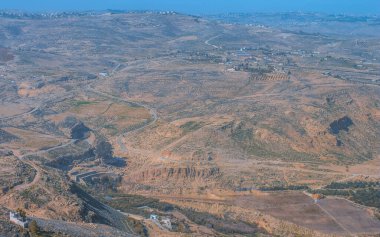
(119, 123)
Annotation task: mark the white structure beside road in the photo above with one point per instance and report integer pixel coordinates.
(15, 218)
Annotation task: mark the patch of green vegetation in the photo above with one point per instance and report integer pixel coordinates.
(258, 150)
(292, 155)
(191, 126)
(242, 135)
(246, 140)
(134, 105)
(79, 103)
(112, 128)
(255, 146)
(263, 150)
(352, 160)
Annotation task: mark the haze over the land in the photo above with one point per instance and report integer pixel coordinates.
(365, 7)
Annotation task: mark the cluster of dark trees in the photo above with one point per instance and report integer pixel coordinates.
(332, 192)
(246, 67)
(368, 197)
(353, 185)
(365, 193)
(283, 188)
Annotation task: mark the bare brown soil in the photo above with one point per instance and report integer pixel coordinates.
(353, 218)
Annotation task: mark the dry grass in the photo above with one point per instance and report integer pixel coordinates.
(33, 140)
(106, 116)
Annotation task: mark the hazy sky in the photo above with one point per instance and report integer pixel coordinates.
(200, 6)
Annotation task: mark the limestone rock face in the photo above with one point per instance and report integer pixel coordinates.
(180, 173)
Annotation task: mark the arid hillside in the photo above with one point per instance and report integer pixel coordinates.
(217, 124)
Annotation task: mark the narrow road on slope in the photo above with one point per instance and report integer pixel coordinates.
(36, 179)
(335, 220)
(41, 105)
(207, 42)
(152, 111)
(330, 215)
(38, 169)
(117, 219)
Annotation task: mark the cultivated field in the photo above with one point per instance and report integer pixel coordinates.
(331, 216)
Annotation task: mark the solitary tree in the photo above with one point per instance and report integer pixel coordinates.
(33, 228)
(21, 212)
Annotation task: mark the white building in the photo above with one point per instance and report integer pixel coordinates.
(153, 217)
(15, 218)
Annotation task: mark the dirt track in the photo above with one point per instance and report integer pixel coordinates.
(330, 216)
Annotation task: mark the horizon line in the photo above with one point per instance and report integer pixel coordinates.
(182, 13)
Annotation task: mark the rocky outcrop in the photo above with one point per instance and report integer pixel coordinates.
(180, 173)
